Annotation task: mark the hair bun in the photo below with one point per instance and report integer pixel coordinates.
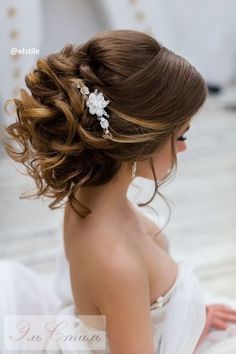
(152, 91)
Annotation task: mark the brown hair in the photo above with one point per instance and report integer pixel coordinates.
(153, 92)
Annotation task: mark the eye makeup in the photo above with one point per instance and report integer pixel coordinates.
(183, 138)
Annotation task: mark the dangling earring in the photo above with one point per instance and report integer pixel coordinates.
(134, 167)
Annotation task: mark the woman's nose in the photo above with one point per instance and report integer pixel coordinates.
(181, 146)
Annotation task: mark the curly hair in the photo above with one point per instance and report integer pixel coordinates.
(152, 91)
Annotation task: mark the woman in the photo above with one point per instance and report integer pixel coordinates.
(97, 116)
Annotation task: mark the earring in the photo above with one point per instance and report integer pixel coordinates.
(134, 167)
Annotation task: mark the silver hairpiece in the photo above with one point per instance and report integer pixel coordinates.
(96, 103)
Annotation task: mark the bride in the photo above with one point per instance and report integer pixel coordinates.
(95, 117)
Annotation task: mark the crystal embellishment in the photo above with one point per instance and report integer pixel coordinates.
(96, 103)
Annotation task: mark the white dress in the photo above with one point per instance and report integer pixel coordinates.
(178, 317)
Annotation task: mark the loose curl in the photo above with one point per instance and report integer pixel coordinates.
(153, 92)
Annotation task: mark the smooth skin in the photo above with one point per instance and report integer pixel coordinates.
(117, 268)
(218, 316)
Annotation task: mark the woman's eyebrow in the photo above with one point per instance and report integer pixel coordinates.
(188, 127)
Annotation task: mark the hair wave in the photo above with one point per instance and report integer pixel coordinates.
(153, 92)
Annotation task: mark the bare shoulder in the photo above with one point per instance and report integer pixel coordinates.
(118, 278)
(105, 249)
(118, 284)
(106, 258)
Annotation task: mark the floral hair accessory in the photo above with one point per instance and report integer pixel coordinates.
(96, 103)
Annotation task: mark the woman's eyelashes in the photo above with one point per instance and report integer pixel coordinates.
(182, 138)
